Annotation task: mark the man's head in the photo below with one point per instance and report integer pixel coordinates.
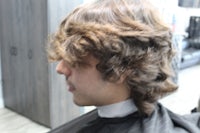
(88, 86)
(130, 43)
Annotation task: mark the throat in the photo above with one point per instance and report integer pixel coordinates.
(120, 109)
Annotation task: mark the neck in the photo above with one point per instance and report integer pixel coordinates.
(120, 109)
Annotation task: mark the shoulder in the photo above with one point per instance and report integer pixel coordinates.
(189, 118)
(76, 124)
(193, 118)
(165, 121)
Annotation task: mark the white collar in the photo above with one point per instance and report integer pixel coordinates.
(120, 109)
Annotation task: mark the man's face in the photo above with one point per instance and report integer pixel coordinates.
(88, 87)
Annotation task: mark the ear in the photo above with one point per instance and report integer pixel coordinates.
(122, 78)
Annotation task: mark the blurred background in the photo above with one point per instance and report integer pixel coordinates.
(34, 98)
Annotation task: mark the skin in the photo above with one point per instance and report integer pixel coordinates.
(88, 87)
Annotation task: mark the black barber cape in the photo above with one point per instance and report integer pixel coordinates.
(160, 121)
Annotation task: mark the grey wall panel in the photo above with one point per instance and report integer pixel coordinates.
(25, 67)
(8, 49)
(31, 86)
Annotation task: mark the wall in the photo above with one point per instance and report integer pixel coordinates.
(173, 14)
(1, 95)
(66, 110)
(24, 66)
(31, 86)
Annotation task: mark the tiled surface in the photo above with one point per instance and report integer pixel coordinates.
(11, 122)
(186, 98)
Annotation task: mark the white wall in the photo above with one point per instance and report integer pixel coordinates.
(87, 1)
(175, 15)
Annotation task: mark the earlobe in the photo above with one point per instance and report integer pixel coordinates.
(121, 79)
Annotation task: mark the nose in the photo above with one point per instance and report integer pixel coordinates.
(63, 68)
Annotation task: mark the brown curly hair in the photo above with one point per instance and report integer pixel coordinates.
(126, 36)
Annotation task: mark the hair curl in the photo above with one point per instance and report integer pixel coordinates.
(126, 36)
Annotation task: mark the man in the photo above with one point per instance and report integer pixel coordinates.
(116, 55)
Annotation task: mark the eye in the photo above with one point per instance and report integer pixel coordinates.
(82, 65)
(73, 64)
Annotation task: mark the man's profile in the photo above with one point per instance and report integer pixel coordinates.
(116, 55)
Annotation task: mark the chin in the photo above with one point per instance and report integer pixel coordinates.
(82, 103)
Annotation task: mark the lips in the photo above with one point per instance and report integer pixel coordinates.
(71, 87)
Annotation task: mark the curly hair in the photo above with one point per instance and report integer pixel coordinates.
(126, 36)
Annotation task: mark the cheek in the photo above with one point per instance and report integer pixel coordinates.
(89, 86)
(88, 81)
